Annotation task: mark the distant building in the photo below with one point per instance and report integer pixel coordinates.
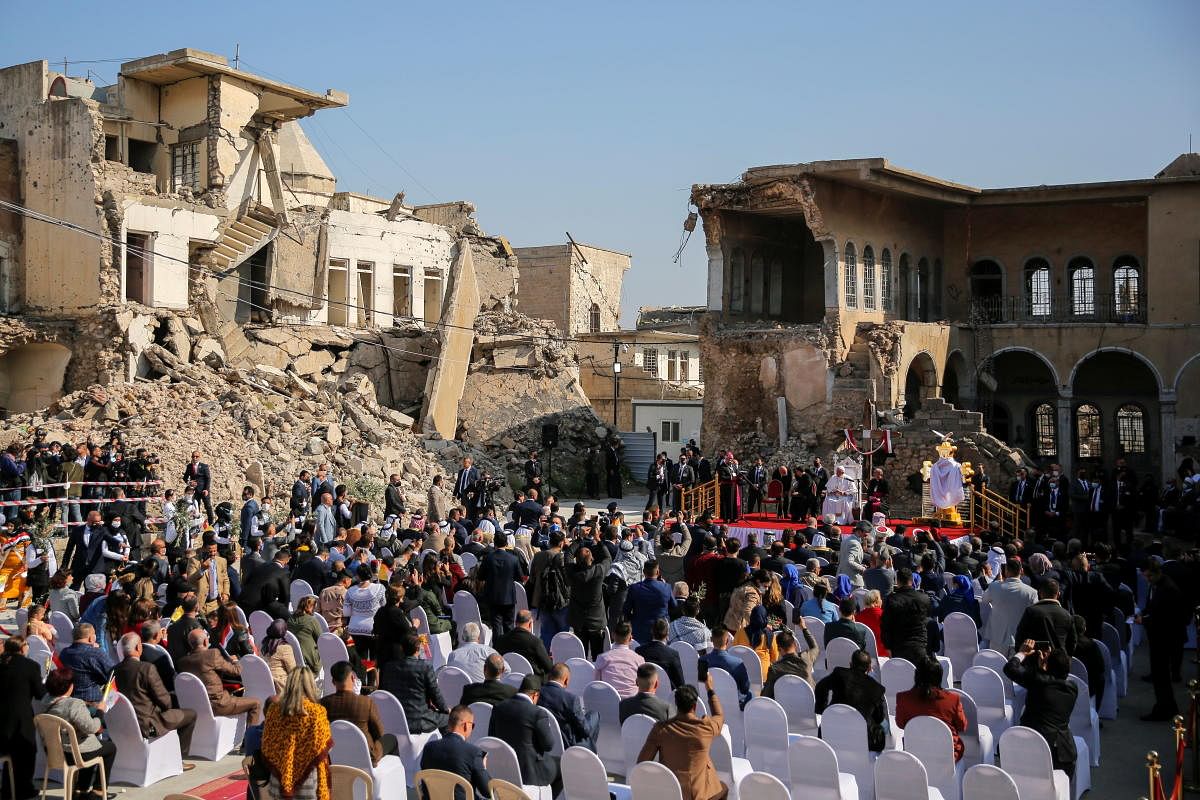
(576, 286)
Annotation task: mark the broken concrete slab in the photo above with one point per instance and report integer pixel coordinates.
(448, 377)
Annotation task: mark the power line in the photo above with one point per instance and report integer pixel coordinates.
(393, 159)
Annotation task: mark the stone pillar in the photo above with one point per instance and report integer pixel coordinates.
(1166, 415)
(716, 276)
(1066, 439)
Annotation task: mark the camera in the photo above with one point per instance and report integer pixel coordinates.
(492, 484)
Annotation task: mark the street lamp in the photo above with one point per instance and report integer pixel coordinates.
(616, 390)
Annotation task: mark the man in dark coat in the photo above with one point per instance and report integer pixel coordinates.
(520, 640)
(1047, 621)
(612, 468)
(269, 588)
(198, 471)
(578, 727)
(1050, 699)
(657, 651)
(905, 620)
(526, 729)
(143, 687)
(393, 497)
(491, 690)
(855, 687)
(85, 548)
(646, 701)
(586, 613)
(499, 571)
(412, 681)
(453, 753)
(1165, 619)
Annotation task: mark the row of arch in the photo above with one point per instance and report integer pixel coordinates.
(1124, 300)
(913, 294)
(1089, 425)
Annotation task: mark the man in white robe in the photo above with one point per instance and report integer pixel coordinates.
(839, 498)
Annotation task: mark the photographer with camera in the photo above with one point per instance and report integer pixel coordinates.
(12, 477)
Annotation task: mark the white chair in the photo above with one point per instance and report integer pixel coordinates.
(213, 737)
(987, 782)
(565, 646)
(897, 675)
(584, 777)
(845, 730)
(799, 703)
(930, 740)
(652, 781)
(995, 661)
(763, 786)
(41, 654)
(602, 698)
(767, 737)
(838, 653)
(464, 609)
(322, 623)
(1120, 661)
(502, 763)
(860, 598)
(331, 649)
(522, 603)
(483, 718)
(420, 620)
(299, 590)
(900, 776)
(727, 692)
(583, 672)
(730, 770)
(350, 749)
(294, 643)
(960, 640)
(257, 679)
(1078, 669)
(469, 561)
(441, 645)
(451, 682)
(753, 665)
(21, 619)
(1085, 721)
(140, 762)
(395, 722)
(64, 629)
(556, 737)
(689, 659)
(815, 771)
(979, 745)
(259, 622)
(513, 679)
(1108, 695)
(1026, 758)
(817, 628)
(518, 663)
(664, 691)
(634, 731)
(987, 690)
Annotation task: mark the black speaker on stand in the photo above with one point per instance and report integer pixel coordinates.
(549, 442)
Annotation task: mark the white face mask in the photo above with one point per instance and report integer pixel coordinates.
(357, 685)
(116, 523)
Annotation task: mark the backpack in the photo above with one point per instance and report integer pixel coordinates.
(556, 592)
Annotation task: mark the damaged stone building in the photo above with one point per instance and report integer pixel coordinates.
(180, 220)
(1062, 320)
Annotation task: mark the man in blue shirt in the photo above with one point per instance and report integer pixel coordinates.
(719, 658)
(89, 663)
(647, 600)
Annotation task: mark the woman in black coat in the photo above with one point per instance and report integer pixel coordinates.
(22, 682)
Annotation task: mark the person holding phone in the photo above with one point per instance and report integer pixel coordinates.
(1044, 670)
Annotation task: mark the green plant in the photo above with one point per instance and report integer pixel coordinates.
(366, 489)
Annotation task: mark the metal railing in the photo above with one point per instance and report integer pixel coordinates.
(1114, 308)
(1012, 517)
(705, 497)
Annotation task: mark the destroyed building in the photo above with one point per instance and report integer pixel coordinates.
(179, 225)
(1061, 320)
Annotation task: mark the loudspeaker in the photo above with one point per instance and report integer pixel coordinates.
(550, 435)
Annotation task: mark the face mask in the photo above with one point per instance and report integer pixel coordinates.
(357, 685)
(116, 523)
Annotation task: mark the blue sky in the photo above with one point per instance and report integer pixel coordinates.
(596, 118)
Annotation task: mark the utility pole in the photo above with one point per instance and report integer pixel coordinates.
(237, 54)
(616, 369)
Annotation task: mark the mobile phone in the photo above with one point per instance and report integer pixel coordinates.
(1043, 646)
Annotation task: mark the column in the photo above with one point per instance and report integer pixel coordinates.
(1166, 416)
(1066, 438)
(716, 276)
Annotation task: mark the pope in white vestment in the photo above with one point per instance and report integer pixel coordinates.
(839, 498)
(946, 483)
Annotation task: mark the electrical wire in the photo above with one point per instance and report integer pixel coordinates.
(392, 158)
(145, 251)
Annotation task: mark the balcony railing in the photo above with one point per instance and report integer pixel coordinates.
(1058, 309)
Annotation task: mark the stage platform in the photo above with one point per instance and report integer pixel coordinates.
(769, 523)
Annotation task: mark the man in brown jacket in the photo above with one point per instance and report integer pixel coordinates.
(347, 704)
(210, 574)
(682, 742)
(213, 669)
(143, 687)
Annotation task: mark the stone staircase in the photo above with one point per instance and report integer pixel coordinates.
(253, 229)
(858, 384)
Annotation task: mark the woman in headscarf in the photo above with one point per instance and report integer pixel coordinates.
(278, 654)
(844, 588)
(93, 589)
(748, 613)
(230, 633)
(296, 741)
(961, 597)
(1041, 570)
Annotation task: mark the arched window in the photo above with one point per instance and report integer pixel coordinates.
(937, 288)
(1131, 429)
(904, 287)
(737, 278)
(1045, 433)
(868, 278)
(1083, 287)
(1037, 287)
(851, 276)
(775, 286)
(1127, 287)
(885, 278)
(1088, 441)
(594, 319)
(757, 283)
(923, 290)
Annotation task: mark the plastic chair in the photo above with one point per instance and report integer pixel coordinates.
(817, 628)
(331, 649)
(299, 590)
(395, 721)
(753, 665)
(518, 663)
(602, 698)
(979, 745)
(464, 609)
(727, 692)
(503, 790)
(64, 629)
(995, 661)
(930, 740)
(350, 749)
(259, 622)
(900, 776)
(583, 672)
(799, 703)
(987, 782)
(41, 654)
(52, 731)
(767, 738)
(451, 682)
(345, 783)
(960, 641)
(513, 679)
(664, 691)
(1108, 695)
(897, 675)
(1085, 721)
(502, 763)
(729, 769)
(584, 777)
(565, 646)
(987, 690)
(322, 623)
(213, 737)
(845, 730)
(1120, 662)
(763, 786)
(556, 737)
(1026, 758)
(815, 771)
(469, 561)
(140, 762)
(483, 718)
(689, 660)
(838, 653)
(438, 784)
(634, 731)
(257, 679)
(650, 780)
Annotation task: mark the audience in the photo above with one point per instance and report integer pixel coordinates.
(927, 698)
(142, 685)
(346, 703)
(854, 687)
(646, 701)
(618, 667)
(454, 754)
(412, 681)
(682, 744)
(518, 722)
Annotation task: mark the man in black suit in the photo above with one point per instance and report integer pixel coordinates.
(1021, 491)
(577, 726)
(491, 691)
(152, 634)
(1123, 499)
(269, 588)
(521, 724)
(85, 548)
(464, 484)
(1047, 621)
(646, 700)
(757, 486)
(527, 512)
(520, 640)
(177, 634)
(412, 681)
(393, 497)
(801, 498)
(1054, 507)
(253, 558)
(658, 482)
(1050, 699)
(301, 500)
(316, 571)
(500, 570)
(657, 651)
(198, 471)
(22, 682)
(1166, 620)
(453, 753)
(533, 473)
(855, 687)
(683, 476)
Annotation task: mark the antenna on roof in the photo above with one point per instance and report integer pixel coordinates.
(237, 54)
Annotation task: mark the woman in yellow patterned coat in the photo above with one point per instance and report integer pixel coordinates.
(296, 741)
(12, 568)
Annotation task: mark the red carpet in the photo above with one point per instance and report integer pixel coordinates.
(770, 521)
(230, 787)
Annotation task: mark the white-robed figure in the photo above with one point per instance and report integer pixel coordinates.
(839, 497)
(946, 479)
